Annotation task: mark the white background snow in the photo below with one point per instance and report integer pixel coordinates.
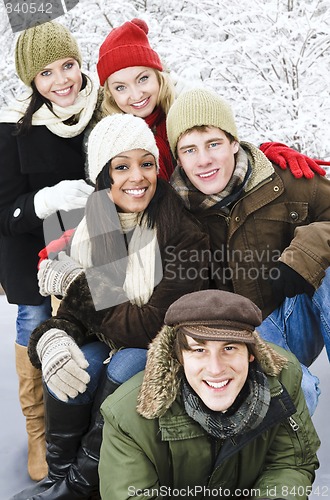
(270, 59)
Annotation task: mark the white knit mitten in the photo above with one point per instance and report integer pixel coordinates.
(63, 364)
(55, 276)
(66, 195)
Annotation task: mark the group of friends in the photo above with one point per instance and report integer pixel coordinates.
(192, 269)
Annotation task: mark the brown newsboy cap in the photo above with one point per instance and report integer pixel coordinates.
(215, 315)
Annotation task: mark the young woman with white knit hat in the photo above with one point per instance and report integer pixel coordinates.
(136, 251)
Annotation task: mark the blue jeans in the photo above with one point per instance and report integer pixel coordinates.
(29, 317)
(302, 325)
(124, 364)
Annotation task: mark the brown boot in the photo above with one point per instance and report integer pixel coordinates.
(31, 399)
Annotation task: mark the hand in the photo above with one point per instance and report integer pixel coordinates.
(66, 195)
(55, 246)
(63, 364)
(289, 283)
(300, 165)
(55, 276)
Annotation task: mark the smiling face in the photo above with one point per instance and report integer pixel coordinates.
(135, 90)
(134, 175)
(216, 371)
(207, 157)
(60, 81)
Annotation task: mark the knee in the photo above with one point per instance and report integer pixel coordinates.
(125, 364)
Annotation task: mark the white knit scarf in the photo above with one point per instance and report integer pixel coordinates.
(142, 253)
(83, 109)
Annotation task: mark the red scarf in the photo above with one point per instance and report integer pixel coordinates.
(157, 122)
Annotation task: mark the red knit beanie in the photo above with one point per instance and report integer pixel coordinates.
(126, 46)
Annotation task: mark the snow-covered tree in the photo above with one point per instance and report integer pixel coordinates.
(270, 59)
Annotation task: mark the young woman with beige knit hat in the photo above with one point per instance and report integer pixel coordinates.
(136, 251)
(41, 172)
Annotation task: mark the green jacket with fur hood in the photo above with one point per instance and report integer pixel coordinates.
(151, 448)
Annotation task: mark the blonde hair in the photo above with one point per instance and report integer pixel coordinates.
(165, 98)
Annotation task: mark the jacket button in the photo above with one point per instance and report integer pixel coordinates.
(276, 189)
(237, 219)
(17, 212)
(294, 215)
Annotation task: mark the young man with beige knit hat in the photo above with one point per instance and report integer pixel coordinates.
(269, 232)
(218, 412)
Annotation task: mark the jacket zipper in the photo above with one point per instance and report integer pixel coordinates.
(293, 424)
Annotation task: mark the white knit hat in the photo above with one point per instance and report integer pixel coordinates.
(115, 134)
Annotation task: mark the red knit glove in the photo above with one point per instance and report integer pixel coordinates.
(300, 165)
(55, 246)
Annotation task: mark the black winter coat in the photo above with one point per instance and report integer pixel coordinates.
(27, 164)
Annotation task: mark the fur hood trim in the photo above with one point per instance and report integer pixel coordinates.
(161, 380)
(271, 362)
(262, 168)
(163, 372)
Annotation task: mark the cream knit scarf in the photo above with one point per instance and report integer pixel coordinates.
(142, 253)
(83, 109)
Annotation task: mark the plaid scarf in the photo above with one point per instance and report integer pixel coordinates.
(195, 200)
(246, 413)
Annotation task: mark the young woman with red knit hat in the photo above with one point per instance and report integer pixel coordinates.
(135, 81)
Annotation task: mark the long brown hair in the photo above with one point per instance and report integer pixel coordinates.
(109, 245)
(36, 101)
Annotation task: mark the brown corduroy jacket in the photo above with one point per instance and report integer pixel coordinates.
(127, 324)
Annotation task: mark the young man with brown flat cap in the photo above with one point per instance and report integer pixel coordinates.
(217, 412)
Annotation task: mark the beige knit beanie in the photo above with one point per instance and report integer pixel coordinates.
(198, 107)
(115, 134)
(41, 45)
